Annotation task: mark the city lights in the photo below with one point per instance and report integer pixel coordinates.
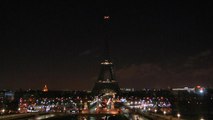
(110, 60)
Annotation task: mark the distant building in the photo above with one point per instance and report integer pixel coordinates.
(184, 89)
(45, 89)
(7, 95)
(6, 101)
(197, 90)
(127, 89)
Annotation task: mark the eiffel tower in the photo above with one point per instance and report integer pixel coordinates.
(106, 82)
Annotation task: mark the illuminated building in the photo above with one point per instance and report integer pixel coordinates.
(127, 89)
(184, 89)
(45, 89)
(198, 89)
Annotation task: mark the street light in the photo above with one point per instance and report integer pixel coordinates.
(178, 115)
(3, 110)
(164, 112)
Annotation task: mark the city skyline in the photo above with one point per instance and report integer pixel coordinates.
(152, 44)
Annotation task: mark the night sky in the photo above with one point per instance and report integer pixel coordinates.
(153, 44)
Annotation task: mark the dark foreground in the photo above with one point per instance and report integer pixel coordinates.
(61, 116)
(88, 117)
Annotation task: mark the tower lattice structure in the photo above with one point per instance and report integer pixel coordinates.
(106, 82)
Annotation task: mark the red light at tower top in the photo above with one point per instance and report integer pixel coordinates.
(106, 17)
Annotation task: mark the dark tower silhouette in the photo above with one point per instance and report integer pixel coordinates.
(106, 82)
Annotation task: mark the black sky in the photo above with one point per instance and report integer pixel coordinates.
(154, 44)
